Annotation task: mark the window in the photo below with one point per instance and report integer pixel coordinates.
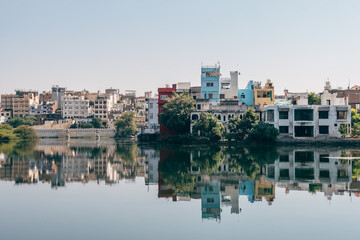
(284, 158)
(303, 115)
(284, 129)
(323, 129)
(341, 114)
(242, 96)
(328, 102)
(304, 131)
(323, 114)
(304, 156)
(163, 97)
(211, 96)
(199, 107)
(324, 158)
(151, 116)
(283, 115)
(210, 84)
(194, 117)
(270, 115)
(151, 105)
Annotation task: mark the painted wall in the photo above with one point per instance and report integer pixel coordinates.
(246, 95)
(210, 75)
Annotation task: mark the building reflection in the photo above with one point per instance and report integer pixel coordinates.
(221, 179)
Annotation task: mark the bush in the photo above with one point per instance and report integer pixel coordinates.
(7, 133)
(26, 133)
(16, 122)
(208, 126)
(263, 132)
(125, 125)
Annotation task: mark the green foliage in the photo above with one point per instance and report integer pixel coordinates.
(125, 125)
(176, 111)
(127, 152)
(355, 129)
(239, 128)
(209, 127)
(355, 117)
(313, 99)
(207, 159)
(7, 133)
(16, 122)
(26, 133)
(343, 130)
(95, 123)
(263, 132)
(175, 171)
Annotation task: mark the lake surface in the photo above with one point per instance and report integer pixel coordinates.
(83, 189)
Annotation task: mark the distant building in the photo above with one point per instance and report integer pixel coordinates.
(309, 121)
(210, 201)
(246, 96)
(152, 116)
(43, 108)
(210, 82)
(102, 107)
(75, 107)
(195, 92)
(264, 96)
(163, 94)
(229, 86)
(57, 94)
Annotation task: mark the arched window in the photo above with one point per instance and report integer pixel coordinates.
(219, 117)
(194, 117)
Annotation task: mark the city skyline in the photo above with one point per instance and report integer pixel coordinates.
(145, 45)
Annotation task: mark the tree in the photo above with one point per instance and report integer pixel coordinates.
(97, 123)
(208, 126)
(7, 133)
(16, 122)
(176, 112)
(263, 132)
(125, 125)
(355, 122)
(26, 133)
(313, 99)
(239, 128)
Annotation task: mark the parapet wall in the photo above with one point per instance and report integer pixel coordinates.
(75, 133)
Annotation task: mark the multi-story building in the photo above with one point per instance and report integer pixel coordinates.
(246, 96)
(45, 97)
(309, 121)
(75, 107)
(102, 107)
(57, 93)
(43, 108)
(163, 94)
(229, 86)
(195, 92)
(210, 82)
(264, 96)
(223, 111)
(152, 120)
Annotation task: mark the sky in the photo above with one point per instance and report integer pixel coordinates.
(144, 45)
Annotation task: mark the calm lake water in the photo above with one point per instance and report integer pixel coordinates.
(83, 189)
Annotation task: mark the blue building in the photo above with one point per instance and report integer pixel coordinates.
(247, 188)
(210, 82)
(210, 201)
(246, 96)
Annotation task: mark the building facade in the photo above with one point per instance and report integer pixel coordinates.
(264, 96)
(75, 107)
(309, 121)
(210, 82)
(229, 86)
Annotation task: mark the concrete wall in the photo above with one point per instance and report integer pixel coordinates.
(75, 133)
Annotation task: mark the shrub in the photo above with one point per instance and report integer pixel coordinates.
(26, 133)
(263, 132)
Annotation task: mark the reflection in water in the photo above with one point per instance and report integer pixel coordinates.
(217, 176)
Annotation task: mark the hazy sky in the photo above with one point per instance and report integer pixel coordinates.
(143, 45)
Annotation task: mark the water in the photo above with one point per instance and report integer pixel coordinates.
(84, 189)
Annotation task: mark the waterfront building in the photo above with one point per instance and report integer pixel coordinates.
(195, 92)
(264, 96)
(102, 107)
(152, 120)
(210, 82)
(57, 93)
(43, 108)
(309, 121)
(210, 201)
(75, 107)
(163, 94)
(229, 86)
(246, 96)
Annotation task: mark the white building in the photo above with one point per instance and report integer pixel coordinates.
(152, 124)
(75, 107)
(229, 86)
(223, 110)
(102, 106)
(309, 121)
(43, 108)
(328, 98)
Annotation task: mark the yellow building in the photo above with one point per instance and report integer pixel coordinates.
(264, 96)
(264, 189)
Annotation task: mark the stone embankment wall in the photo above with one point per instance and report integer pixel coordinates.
(75, 133)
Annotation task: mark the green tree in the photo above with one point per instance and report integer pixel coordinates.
(176, 112)
(355, 116)
(313, 99)
(7, 133)
(208, 126)
(239, 128)
(125, 125)
(97, 123)
(16, 122)
(26, 133)
(263, 132)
